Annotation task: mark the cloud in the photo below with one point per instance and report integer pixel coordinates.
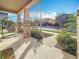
(49, 15)
(43, 15)
(12, 17)
(10, 14)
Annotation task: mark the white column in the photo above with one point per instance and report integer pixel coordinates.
(18, 23)
(77, 34)
(26, 24)
(19, 17)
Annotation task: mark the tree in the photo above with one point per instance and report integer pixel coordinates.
(70, 25)
(10, 25)
(7, 24)
(61, 19)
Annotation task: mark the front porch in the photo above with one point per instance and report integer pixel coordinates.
(23, 45)
(22, 32)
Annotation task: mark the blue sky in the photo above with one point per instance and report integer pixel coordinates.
(58, 6)
(62, 6)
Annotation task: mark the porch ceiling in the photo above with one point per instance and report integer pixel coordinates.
(14, 6)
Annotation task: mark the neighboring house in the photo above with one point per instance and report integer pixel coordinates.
(49, 22)
(7, 24)
(61, 19)
(3, 15)
(44, 22)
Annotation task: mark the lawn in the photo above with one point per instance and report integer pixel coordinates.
(56, 31)
(6, 33)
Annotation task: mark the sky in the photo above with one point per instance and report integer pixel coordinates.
(49, 8)
(62, 6)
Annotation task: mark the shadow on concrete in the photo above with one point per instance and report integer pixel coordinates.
(68, 56)
(18, 43)
(32, 43)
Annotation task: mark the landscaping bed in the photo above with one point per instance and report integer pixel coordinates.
(7, 54)
(39, 34)
(47, 34)
(67, 43)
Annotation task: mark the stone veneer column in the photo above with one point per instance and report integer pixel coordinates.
(18, 23)
(26, 24)
(77, 34)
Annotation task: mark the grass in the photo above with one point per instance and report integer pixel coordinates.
(7, 32)
(51, 30)
(56, 31)
(47, 34)
(74, 34)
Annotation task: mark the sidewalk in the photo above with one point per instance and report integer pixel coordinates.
(7, 34)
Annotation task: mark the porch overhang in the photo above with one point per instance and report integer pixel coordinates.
(15, 6)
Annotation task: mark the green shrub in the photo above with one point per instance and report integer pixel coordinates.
(67, 42)
(36, 34)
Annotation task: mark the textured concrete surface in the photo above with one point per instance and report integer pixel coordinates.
(45, 52)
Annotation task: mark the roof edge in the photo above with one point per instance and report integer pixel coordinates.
(34, 2)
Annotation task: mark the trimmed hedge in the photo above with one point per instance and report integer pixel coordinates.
(36, 34)
(67, 42)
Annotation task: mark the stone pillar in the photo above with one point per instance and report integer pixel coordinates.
(26, 24)
(18, 23)
(77, 34)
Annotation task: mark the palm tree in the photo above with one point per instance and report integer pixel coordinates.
(7, 24)
(10, 25)
(2, 22)
(70, 25)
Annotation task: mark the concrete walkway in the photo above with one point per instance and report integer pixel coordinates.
(38, 27)
(50, 41)
(45, 52)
